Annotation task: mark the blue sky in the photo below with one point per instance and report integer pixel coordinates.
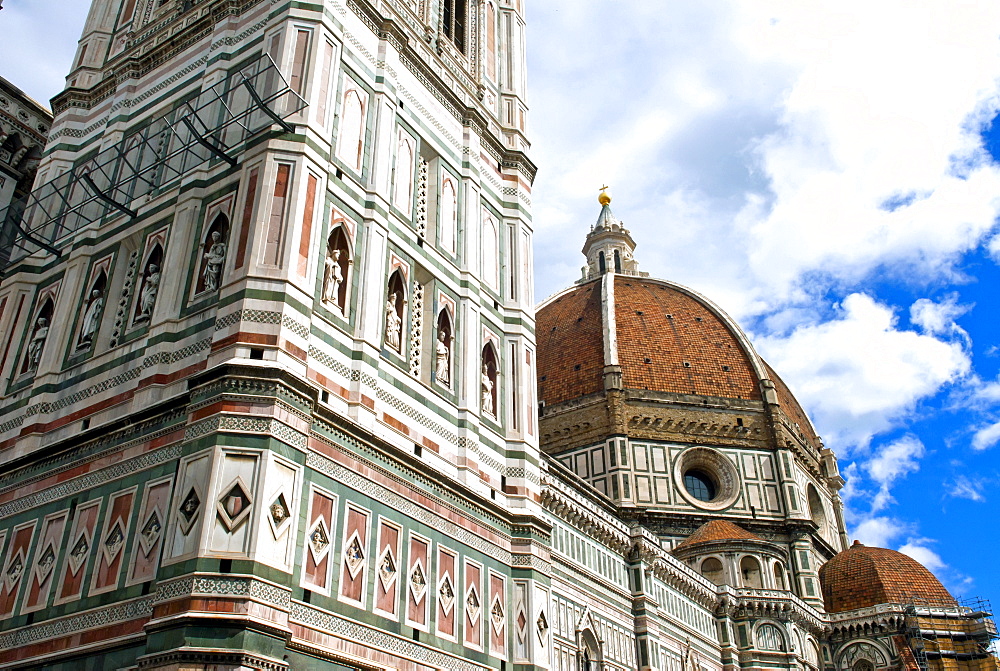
(821, 170)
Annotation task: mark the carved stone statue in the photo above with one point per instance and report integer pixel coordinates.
(214, 258)
(487, 392)
(91, 318)
(37, 342)
(333, 277)
(442, 360)
(393, 323)
(150, 287)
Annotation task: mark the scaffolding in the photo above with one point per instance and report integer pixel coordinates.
(216, 124)
(964, 632)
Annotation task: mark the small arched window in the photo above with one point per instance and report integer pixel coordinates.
(618, 262)
(750, 572)
(712, 569)
(351, 146)
(602, 265)
(769, 637)
(779, 576)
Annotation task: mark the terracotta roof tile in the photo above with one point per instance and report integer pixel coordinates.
(570, 336)
(690, 352)
(861, 576)
(717, 530)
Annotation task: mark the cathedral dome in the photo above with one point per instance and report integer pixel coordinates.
(863, 576)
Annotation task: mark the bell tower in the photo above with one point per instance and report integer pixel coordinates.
(271, 304)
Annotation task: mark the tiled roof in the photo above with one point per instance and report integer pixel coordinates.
(671, 342)
(717, 530)
(570, 336)
(863, 576)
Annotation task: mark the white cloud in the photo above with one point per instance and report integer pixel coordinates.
(777, 148)
(965, 488)
(879, 531)
(986, 437)
(859, 374)
(930, 559)
(939, 318)
(890, 463)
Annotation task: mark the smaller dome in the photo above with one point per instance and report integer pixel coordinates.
(714, 531)
(862, 576)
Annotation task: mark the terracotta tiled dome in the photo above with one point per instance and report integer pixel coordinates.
(717, 530)
(863, 576)
(669, 339)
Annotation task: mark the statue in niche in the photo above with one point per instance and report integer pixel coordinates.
(333, 277)
(214, 258)
(91, 318)
(442, 359)
(393, 323)
(147, 296)
(37, 342)
(487, 392)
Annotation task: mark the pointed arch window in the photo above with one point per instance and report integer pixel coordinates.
(449, 214)
(91, 311)
(453, 22)
(488, 381)
(444, 349)
(602, 265)
(351, 144)
(491, 41)
(337, 267)
(395, 303)
(39, 333)
(491, 251)
(403, 194)
(149, 285)
(213, 255)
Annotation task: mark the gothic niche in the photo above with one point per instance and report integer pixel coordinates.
(39, 333)
(336, 268)
(149, 285)
(394, 303)
(443, 349)
(91, 311)
(213, 255)
(488, 383)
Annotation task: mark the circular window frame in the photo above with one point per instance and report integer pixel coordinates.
(715, 465)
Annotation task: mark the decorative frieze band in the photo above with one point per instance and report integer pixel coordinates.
(92, 619)
(91, 480)
(380, 640)
(217, 585)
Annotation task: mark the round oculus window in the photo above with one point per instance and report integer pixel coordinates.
(699, 484)
(706, 478)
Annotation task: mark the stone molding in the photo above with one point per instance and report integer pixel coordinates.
(341, 627)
